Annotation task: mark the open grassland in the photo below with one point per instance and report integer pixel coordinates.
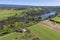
(44, 33)
(18, 36)
(57, 19)
(10, 36)
(4, 14)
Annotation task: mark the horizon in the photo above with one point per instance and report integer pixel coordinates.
(24, 5)
(32, 2)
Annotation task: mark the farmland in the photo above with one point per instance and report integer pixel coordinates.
(44, 33)
(37, 30)
(57, 19)
(10, 36)
(17, 36)
(4, 14)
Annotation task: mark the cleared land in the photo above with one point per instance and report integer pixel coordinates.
(57, 19)
(45, 33)
(11, 36)
(4, 14)
(18, 36)
(51, 25)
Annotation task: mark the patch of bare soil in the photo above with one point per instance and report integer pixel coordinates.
(51, 25)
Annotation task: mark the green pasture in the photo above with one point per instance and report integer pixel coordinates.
(44, 33)
(57, 19)
(11, 36)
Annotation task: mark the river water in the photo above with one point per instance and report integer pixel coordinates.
(47, 15)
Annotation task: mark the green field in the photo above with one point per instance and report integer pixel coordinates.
(38, 30)
(11, 36)
(44, 33)
(4, 14)
(57, 19)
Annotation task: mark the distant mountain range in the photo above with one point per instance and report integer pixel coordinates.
(27, 6)
(18, 6)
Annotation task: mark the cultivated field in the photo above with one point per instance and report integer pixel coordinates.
(18, 36)
(44, 33)
(57, 19)
(11, 36)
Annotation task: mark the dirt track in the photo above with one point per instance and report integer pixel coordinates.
(51, 25)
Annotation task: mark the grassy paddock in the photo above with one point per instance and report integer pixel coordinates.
(10, 36)
(45, 33)
(57, 19)
(4, 14)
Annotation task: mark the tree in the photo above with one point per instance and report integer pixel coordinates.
(16, 25)
(8, 30)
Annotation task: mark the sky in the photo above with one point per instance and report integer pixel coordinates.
(32, 2)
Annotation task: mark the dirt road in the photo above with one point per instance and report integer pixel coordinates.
(51, 25)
